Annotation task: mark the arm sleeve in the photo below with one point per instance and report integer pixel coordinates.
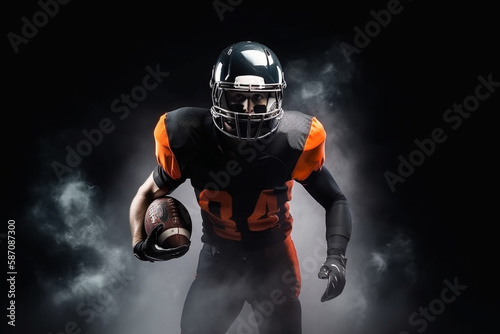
(323, 188)
(164, 181)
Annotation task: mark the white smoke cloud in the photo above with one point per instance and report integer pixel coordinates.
(95, 267)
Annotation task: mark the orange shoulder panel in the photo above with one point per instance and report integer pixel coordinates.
(313, 154)
(164, 154)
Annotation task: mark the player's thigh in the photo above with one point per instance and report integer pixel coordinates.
(276, 304)
(278, 317)
(213, 300)
(284, 274)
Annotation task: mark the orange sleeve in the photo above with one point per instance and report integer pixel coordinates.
(313, 154)
(164, 155)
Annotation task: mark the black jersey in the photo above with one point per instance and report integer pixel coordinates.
(243, 187)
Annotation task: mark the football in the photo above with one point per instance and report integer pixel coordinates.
(176, 219)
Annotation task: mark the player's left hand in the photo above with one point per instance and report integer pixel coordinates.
(334, 270)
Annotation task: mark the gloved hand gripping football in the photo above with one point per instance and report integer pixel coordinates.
(148, 249)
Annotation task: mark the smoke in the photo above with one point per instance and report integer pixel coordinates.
(90, 271)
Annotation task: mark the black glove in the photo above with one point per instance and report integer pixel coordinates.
(334, 270)
(148, 250)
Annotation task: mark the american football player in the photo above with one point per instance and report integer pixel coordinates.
(242, 157)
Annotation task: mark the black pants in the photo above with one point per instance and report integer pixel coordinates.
(268, 279)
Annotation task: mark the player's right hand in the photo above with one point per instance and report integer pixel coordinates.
(148, 249)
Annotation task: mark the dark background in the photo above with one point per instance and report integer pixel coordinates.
(393, 92)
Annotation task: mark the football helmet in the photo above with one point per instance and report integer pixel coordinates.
(247, 67)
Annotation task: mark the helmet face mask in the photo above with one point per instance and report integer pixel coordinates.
(247, 68)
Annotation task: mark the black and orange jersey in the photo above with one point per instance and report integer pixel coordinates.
(243, 187)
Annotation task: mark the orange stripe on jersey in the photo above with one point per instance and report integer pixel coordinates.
(164, 154)
(313, 154)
